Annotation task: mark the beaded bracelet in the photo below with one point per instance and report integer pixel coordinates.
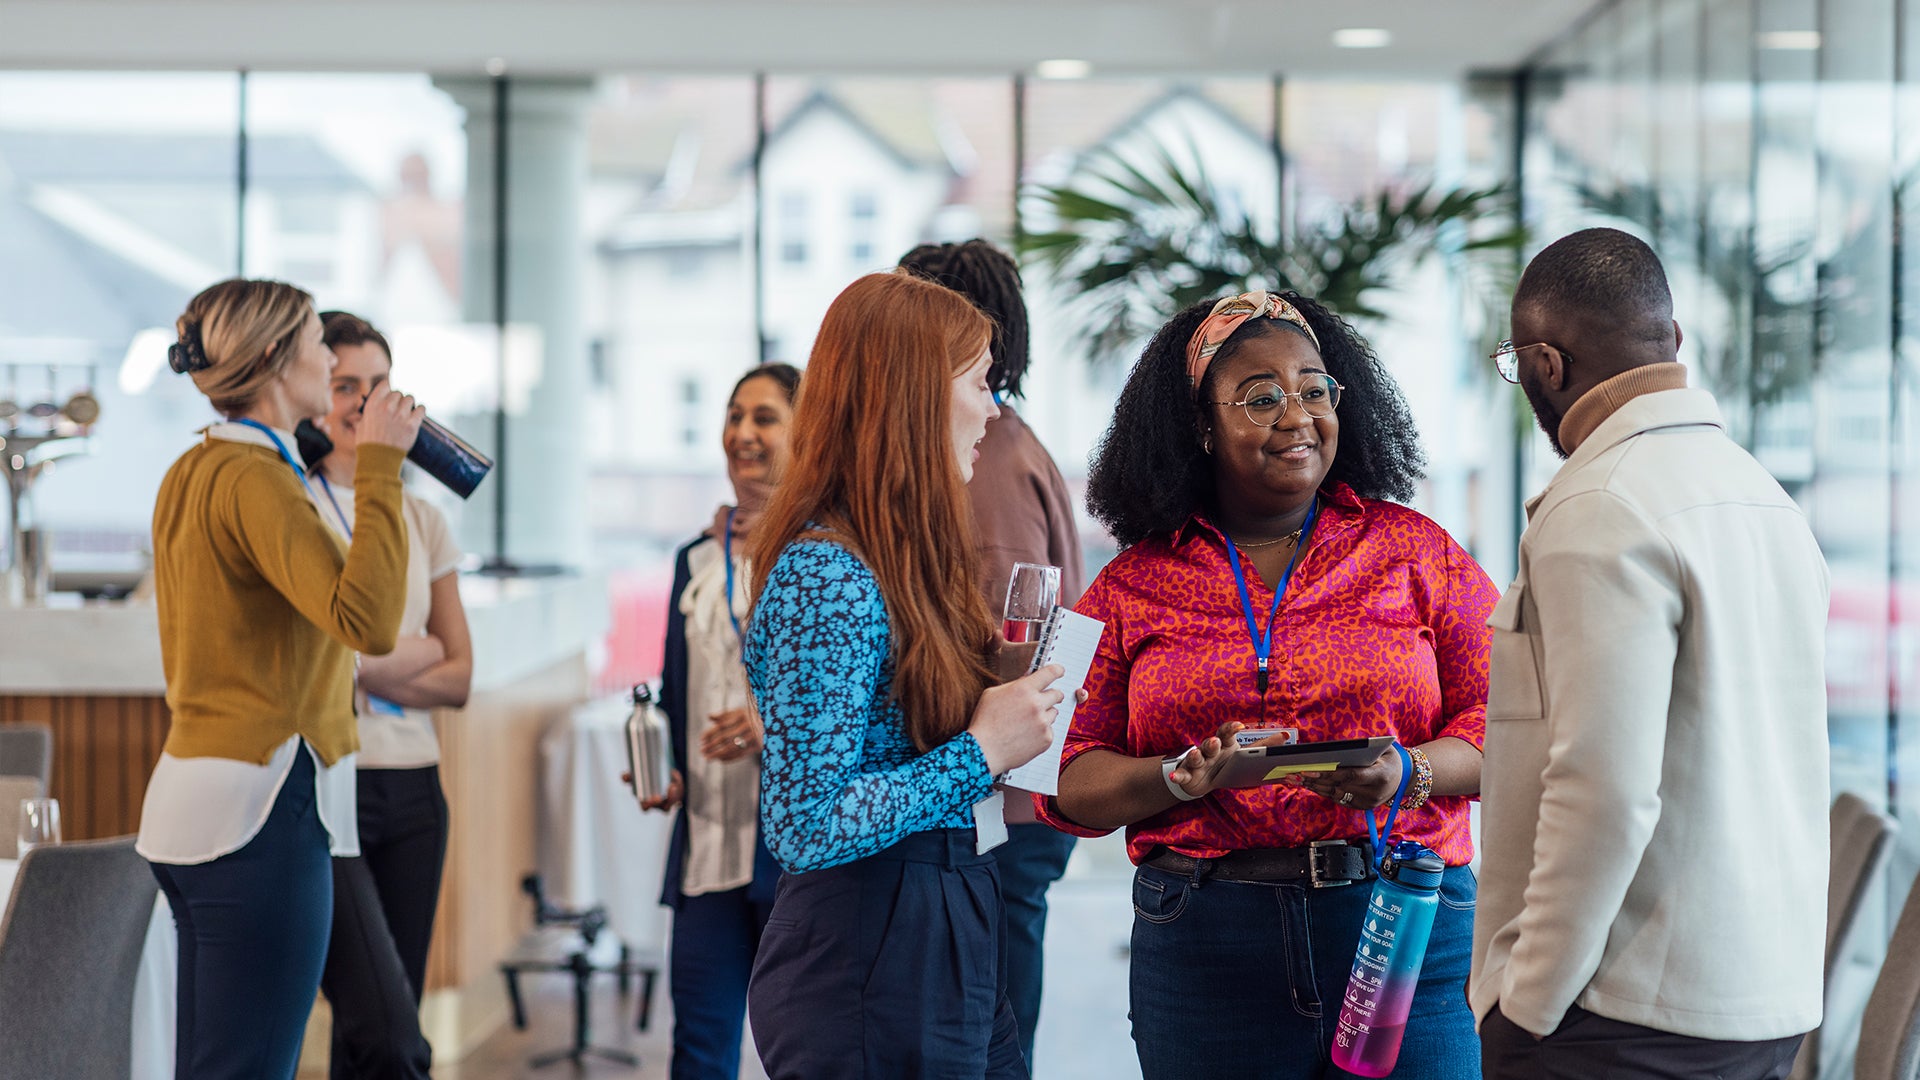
(1420, 788)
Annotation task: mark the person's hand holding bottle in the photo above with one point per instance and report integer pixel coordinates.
(389, 418)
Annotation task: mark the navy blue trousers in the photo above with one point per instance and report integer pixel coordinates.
(1031, 860)
(1245, 980)
(888, 967)
(715, 936)
(253, 928)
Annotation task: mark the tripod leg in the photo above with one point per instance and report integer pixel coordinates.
(513, 998)
(581, 1002)
(647, 976)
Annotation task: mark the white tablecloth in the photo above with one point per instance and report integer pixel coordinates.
(596, 847)
(153, 988)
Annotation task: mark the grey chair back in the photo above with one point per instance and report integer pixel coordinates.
(1890, 1027)
(12, 790)
(1861, 841)
(27, 750)
(69, 952)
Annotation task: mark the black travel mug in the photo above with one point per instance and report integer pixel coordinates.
(439, 452)
(449, 458)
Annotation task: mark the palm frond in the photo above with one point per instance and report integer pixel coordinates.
(1136, 238)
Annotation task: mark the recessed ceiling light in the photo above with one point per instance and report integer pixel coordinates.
(1363, 37)
(1799, 40)
(1063, 69)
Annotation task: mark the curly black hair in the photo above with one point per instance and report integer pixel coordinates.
(1149, 472)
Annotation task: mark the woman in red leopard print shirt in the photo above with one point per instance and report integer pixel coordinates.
(1253, 447)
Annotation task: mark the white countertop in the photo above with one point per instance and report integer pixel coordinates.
(519, 626)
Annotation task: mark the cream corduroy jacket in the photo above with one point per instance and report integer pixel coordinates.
(1654, 820)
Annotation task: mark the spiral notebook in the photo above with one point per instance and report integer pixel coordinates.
(1069, 639)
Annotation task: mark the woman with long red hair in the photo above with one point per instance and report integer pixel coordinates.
(871, 658)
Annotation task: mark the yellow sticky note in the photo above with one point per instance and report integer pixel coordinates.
(1289, 770)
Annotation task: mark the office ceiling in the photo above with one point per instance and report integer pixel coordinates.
(1430, 38)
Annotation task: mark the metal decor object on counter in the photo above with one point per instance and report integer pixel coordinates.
(31, 440)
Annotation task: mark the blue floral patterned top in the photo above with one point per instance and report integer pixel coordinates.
(840, 779)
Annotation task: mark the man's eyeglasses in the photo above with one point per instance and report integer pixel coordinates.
(1506, 357)
(1266, 403)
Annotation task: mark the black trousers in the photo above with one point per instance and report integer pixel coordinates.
(1590, 1047)
(888, 968)
(383, 907)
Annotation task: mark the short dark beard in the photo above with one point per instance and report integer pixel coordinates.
(1546, 416)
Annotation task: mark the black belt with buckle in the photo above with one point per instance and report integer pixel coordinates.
(1321, 864)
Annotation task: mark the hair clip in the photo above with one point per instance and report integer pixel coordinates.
(187, 355)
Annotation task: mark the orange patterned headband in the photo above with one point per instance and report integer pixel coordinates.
(1226, 317)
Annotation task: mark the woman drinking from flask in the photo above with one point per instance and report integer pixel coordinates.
(262, 607)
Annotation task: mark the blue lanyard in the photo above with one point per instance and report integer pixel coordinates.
(375, 703)
(1263, 644)
(287, 456)
(1374, 832)
(726, 552)
(337, 512)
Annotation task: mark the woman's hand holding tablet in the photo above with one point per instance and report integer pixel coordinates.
(1319, 766)
(1358, 787)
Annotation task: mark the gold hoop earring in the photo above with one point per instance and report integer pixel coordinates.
(1206, 443)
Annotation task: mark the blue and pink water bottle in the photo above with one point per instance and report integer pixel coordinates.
(1386, 969)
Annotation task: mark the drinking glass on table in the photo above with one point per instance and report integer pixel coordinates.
(1032, 592)
(39, 823)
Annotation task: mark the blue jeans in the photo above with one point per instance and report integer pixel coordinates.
(1245, 980)
(715, 936)
(1032, 859)
(253, 928)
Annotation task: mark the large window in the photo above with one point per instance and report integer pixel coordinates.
(858, 171)
(126, 198)
(673, 308)
(1765, 147)
(1084, 134)
(120, 201)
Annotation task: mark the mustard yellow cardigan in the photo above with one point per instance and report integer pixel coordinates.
(262, 605)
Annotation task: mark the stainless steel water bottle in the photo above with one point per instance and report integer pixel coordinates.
(649, 753)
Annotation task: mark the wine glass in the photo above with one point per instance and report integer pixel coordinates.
(39, 823)
(1032, 592)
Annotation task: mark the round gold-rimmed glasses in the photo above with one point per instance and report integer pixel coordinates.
(1266, 403)
(1506, 357)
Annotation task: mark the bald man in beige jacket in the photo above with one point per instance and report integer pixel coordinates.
(1654, 828)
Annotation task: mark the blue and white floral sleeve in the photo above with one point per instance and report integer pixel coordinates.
(840, 779)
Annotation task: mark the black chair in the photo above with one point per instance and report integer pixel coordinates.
(568, 940)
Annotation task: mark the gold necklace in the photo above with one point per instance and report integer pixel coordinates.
(1292, 537)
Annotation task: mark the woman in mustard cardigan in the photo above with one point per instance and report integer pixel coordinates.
(261, 609)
